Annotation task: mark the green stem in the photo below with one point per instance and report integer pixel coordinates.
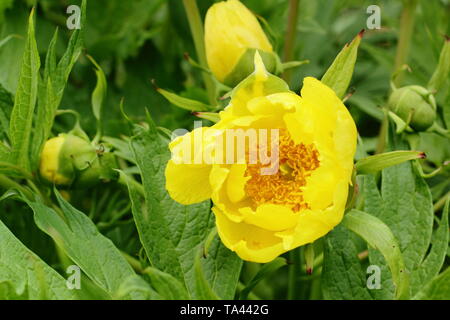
(8, 183)
(404, 41)
(382, 136)
(135, 263)
(290, 35)
(196, 26)
(440, 203)
(124, 179)
(251, 295)
(293, 273)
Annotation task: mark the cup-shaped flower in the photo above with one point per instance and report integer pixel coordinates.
(232, 34)
(277, 165)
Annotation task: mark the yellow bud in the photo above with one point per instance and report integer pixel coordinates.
(50, 162)
(69, 160)
(231, 30)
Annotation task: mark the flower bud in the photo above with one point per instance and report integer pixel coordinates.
(414, 104)
(70, 160)
(232, 35)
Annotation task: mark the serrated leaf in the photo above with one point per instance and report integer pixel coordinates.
(438, 289)
(339, 74)
(166, 285)
(51, 88)
(432, 264)
(172, 233)
(25, 275)
(405, 206)
(203, 288)
(342, 276)
(79, 238)
(6, 105)
(25, 100)
(136, 284)
(380, 237)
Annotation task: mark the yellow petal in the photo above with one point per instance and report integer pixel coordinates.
(230, 29)
(274, 104)
(320, 186)
(314, 224)
(249, 242)
(271, 217)
(236, 183)
(188, 184)
(187, 174)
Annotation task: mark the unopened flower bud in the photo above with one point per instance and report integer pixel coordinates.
(232, 35)
(70, 160)
(414, 104)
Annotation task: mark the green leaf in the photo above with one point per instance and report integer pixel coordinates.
(203, 288)
(79, 238)
(51, 88)
(380, 237)
(442, 71)
(293, 64)
(261, 80)
(432, 264)
(339, 74)
(25, 100)
(211, 116)
(24, 275)
(405, 206)
(265, 270)
(5, 153)
(184, 103)
(438, 289)
(166, 285)
(342, 275)
(99, 94)
(446, 111)
(245, 66)
(172, 233)
(135, 284)
(6, 105)
(381, 161)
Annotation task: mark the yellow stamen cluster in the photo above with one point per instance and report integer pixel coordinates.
(296, 163)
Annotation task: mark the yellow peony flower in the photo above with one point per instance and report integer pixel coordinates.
(262, 215)
(230, 31)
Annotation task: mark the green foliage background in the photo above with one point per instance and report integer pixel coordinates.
(123, 253)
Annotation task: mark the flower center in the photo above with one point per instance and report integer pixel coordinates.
(296, 163)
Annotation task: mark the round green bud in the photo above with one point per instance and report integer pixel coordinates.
(69, 160)
(414, 104)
